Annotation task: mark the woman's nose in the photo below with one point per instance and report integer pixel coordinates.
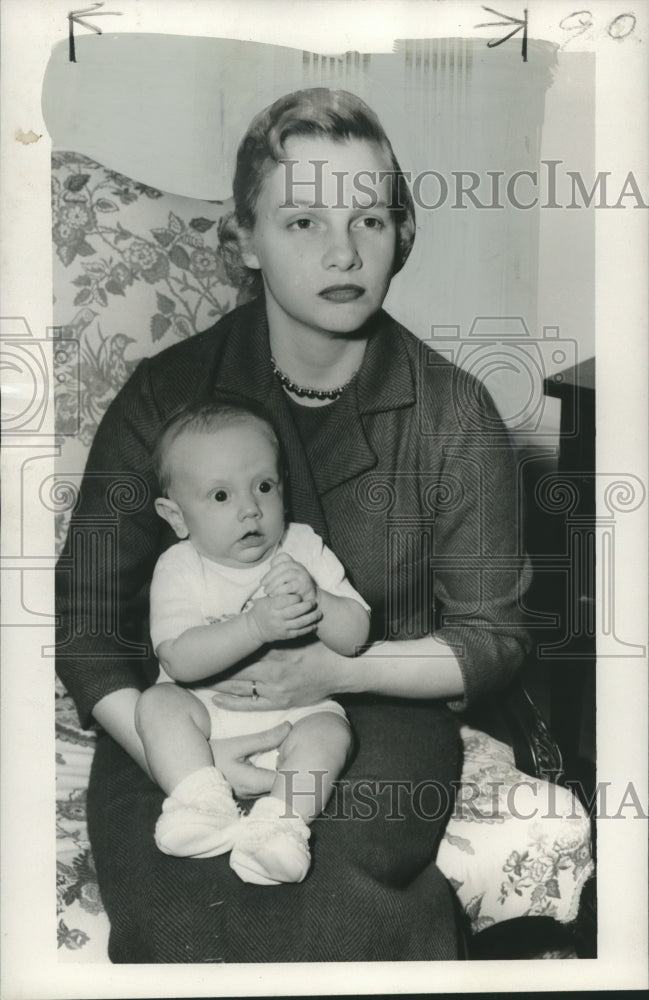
(341, 252)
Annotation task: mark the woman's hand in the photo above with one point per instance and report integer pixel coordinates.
(231, 758)
(302, 675)
(285, 678)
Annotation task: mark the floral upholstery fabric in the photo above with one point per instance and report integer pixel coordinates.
(135, 270)
(82, 924)
(515, 846)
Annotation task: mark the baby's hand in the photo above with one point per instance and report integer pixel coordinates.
(286, 576)
(282, 617)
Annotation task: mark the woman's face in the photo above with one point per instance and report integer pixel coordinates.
(324, 238)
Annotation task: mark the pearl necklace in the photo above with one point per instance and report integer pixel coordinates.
(298, 390)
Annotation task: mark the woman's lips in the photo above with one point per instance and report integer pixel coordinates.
(342, 293)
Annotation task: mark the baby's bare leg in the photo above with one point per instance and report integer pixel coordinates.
(310, 759)
(272, 844)
(174, 727)
(199, 816)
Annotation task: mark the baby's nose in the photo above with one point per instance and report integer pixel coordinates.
(249, 508)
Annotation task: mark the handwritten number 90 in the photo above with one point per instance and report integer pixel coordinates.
(581, 20)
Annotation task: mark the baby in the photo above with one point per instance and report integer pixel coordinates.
(240, 579)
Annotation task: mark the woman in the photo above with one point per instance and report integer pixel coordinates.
(401, 463)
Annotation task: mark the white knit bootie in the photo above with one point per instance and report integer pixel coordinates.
(199, 818)
(269, 847)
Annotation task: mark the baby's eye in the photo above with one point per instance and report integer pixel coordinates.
(221, 496)
(266, 486)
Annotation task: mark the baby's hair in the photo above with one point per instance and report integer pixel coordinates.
(319, 112)
(207, 417)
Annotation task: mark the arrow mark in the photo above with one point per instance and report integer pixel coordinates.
(74, 18)
(520, 25)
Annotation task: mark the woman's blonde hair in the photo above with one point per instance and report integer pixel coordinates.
(319, 111)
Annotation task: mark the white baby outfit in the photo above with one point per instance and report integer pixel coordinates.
(188, 590)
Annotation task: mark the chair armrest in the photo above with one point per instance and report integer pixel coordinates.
(512, 717)
(535, 750)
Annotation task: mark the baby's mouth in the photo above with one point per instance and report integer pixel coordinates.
(250, 537)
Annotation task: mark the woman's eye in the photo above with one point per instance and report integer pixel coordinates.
(301, 224)
(221, 496)
(371, 222)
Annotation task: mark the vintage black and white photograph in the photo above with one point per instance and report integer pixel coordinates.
(324, 442)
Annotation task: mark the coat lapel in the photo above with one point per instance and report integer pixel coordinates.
(245, 371)
(340, 451)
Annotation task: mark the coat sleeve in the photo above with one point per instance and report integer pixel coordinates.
(307, 547)
(480, 567)
(102, 577)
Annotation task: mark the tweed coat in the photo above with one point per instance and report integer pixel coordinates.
(411, 480)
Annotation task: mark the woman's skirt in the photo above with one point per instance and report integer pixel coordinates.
(373, 892)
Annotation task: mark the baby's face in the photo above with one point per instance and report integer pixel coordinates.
(227, 487)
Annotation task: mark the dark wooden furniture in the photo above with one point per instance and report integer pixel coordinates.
(562, 539)
(572, 653)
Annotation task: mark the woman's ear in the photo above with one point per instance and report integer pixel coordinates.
(247, 249)
(172, 514)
